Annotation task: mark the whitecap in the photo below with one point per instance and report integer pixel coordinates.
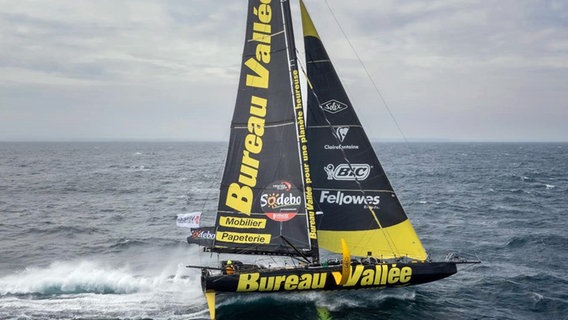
(67, 277)
(536, 297)
(75, 288)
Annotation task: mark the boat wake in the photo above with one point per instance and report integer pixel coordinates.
(91, 289)
(72, 278)
(97, 289)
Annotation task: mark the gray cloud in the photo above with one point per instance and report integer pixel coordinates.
(474, 70)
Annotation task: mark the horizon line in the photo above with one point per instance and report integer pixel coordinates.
(408, 140)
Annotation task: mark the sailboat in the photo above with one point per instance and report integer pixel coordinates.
(300, 183)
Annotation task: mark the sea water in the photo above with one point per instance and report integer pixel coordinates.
(87, 231)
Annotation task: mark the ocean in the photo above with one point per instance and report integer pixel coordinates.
(87, 231)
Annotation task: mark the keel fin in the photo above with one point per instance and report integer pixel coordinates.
(210, 296)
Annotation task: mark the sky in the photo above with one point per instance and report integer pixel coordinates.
(450, 70)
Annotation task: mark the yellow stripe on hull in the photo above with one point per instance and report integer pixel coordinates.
(393, 242)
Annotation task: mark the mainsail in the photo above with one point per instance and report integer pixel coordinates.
(265, 202)
(350, 185)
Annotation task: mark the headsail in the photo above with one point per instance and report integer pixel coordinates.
(350, 185)
(262, 204)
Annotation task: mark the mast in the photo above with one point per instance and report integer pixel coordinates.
(301, 129)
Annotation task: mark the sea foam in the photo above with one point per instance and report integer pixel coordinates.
(90, 277)
(69, 277)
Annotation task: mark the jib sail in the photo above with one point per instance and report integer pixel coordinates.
(350, 185)
(262, 204)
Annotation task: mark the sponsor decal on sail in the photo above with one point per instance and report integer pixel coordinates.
(340, 198)
(299, 109)
(340, 133)
(240, 194)
(202, 234)
(281, 201)
(244, 238)
(340, 147)
(333, 106)
(245, 223)
(348, 172)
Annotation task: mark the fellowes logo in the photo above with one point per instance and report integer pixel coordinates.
(333, 106)
(348, 172)
(341, 198)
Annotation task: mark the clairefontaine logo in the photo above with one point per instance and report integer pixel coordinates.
(340, 133)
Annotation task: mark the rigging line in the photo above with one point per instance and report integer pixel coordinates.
(368, 74)
(342, 189)
(273, 125)
(291, 52)
(387, 236)
(217, 178)
(272, 35)
(295, 249)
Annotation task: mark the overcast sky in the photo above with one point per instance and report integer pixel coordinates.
(492, 70)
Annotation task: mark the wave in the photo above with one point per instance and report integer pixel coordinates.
(72, 278)
(535, 241)
(314, 305)
(93, 290)
(92, 277)
(122, 243)
(47, 228)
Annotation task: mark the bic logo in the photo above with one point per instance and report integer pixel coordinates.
(346, 172)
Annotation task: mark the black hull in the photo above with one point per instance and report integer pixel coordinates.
(327, 278)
